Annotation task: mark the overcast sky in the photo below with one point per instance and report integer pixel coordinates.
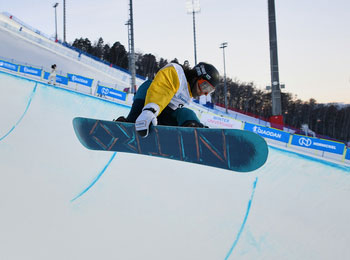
(313, 36)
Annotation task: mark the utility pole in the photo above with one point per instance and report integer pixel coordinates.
(64, 21)
(275, 84)
(223, 46)
(55, 6)
(132, 67)
(193, 8)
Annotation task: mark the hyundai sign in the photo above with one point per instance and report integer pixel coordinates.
(266, 132)
(318, 144)
(110, 92)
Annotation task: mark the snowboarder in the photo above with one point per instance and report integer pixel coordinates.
(162, 100)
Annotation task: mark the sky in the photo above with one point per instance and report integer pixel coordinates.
(313, 37)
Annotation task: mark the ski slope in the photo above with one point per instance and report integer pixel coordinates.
(61, 201)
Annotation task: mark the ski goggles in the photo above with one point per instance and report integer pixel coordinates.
(205, 87)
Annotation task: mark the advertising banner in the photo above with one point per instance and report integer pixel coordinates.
(215, 121)
(347, 156)
(59, 79)
(109, 92)
(8, 65)
(318, 144)
(80, 80)
(268, 132)
(30, 70)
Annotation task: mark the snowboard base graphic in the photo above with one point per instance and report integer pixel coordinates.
(230, 149)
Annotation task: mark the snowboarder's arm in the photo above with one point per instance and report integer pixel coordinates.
(163, 88)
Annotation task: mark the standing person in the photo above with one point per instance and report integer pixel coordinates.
(53, 74)
(162, 100)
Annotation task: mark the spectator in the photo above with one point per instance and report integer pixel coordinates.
(52, 76)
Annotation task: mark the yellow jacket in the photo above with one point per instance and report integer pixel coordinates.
(169, 87)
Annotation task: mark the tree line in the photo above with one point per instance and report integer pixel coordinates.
(326, 120)
(146, 64)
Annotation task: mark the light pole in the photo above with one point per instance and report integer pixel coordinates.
(193, 7)
(223, 46)
(64, 20)
(277, 117)
(54, 6)
(131, 43)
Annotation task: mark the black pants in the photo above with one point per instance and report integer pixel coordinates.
(167, 117)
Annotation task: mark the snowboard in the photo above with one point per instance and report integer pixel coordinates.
(231, 149)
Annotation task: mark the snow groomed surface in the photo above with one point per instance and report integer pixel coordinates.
(61, 201)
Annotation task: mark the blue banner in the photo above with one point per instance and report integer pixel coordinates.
(318, 144)
(266, 132)
(347, 155)
(80, 80)
(109, 92)
(8, 65)
(59, 79)
(30, 70)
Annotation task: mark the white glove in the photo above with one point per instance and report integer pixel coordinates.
(148, 115)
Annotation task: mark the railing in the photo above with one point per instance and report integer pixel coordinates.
(73, 82)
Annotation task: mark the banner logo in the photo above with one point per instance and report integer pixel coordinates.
(79, 79)
(267, 132)
(105, 91)
(8, 65)
(109, 92)
(305, 142)
(30, 70)
(318, 144)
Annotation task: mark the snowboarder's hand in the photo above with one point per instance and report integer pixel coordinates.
(148, 115)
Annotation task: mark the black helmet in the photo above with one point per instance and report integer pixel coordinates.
(207, 72)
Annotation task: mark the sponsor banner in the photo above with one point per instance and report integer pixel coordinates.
(8, 65)
(347, 156)
(266, 132)
(30, 70)
(59, 79)
(318, 144)
(110, 92)
(80, 80)
(215, 121)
